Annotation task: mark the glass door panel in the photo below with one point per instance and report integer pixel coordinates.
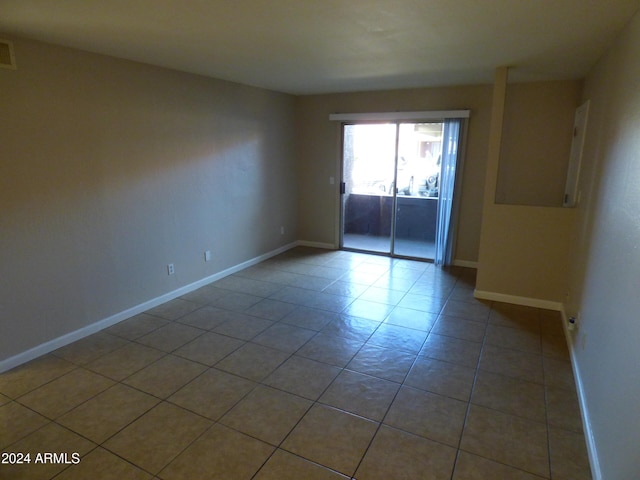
(369, 157)
(418, 183)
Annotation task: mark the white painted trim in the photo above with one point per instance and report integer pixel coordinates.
(327, 246)
(584, 411)
(592, 451)
(465, 263)
(71, 337)
(396, 116)
(516, 300)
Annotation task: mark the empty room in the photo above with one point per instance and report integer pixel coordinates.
(320, 240)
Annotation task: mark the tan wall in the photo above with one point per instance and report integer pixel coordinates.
(536, 141)
(524, 254)
(318, 151)
(605, 268)
(110, 170)
(523, 249)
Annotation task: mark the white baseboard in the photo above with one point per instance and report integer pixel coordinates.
(516, 300)
(327, 246)
(71, 337)
(584, 412)
(596, 473)
(465, 263)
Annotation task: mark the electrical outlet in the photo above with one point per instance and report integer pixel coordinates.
(281, 230)
(207, 256)
(170, 269)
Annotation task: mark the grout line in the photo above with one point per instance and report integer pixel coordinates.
(260, 383)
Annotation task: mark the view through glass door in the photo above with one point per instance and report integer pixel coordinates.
(369, 157)
(391, 175)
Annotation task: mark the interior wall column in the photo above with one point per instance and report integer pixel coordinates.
(493, 161)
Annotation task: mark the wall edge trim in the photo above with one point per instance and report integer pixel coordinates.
(308, 243)
(592, 450)
(51, 345)
(516, 300)
(466, 263)
(584, 412)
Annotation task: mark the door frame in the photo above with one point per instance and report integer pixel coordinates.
(397, 118)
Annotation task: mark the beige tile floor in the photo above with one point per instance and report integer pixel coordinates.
(312, 365)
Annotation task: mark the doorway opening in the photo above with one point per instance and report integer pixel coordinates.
(398, 182)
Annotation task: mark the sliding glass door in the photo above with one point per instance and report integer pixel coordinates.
(416, 204)
(369, 159)
(398, 181)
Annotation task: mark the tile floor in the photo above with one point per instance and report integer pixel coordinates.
(311, 365)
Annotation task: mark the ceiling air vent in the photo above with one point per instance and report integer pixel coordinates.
(7, 59)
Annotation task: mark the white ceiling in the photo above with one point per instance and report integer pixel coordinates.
(321, 46)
